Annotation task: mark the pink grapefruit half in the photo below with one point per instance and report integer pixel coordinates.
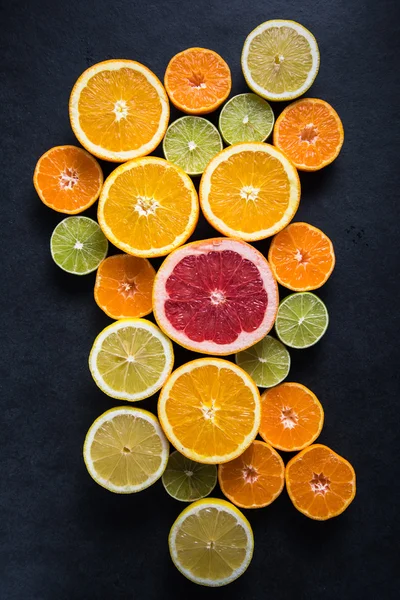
(216, 296)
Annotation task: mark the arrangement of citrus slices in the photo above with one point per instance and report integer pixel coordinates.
(217, 296)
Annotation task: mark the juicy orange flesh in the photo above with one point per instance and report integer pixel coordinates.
(249, 191)
(68, 179)
(321, 482)
(148, 206)
(302, 256)
(198, 79)
(210, 410)
(255, 478)
(310, 133)
(124, 286)
(291, 416)
(119, 110)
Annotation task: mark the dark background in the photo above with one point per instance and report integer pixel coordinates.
(62, 536)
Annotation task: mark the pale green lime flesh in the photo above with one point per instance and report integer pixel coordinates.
(267, 362)
(190, 143)
(186, 480)
(246, 118)
(302, 320)
(78, 245)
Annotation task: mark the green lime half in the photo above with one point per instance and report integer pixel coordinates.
(246, 118)
(302, 320)
(267, 362)
(190, 143)
(78, 245)
(186, 480)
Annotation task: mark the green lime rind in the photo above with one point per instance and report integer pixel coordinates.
(78, 245)
(267, 362)
(302, 320)
(190, 143)
(186, 480)
(246, 118)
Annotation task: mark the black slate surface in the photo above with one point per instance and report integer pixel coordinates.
(63, 537)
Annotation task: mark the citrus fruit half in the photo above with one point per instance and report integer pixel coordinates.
(187, 480)
(250, 191)
(302, 320)
(211, 542)
(148, 207)
(216, 296)
(267, 362)
(321, 484)
(210, 410)
(246, 118)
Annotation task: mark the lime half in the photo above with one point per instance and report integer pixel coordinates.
(190, 143)
(246, 118)
(186, 480)
(267, 362)
(78, 245)
(302, 320)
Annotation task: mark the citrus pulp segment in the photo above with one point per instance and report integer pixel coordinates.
(211, 542)
(216, 296)
(302, 320)
(190, 143)
(250, 191)
(68, 179)
(125, 450)
(280, 60)
(131, 359)
(119, 110)
(187, 480)
(246, 118)
(210, 410)
(320, 483)
(148, 207)
(267, 362)
(78, 245)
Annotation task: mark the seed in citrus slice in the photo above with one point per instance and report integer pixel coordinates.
(68, 179)
(254, 479)
(131, 359)
(301, 257)
(280, 60)
(291, 417)
(246, 118)
(320, 483)
(197, 80)
(250, 191)
(119, 110)
(310, 133)
(211, 542)
(124, 286)
(190, 143)
(148, 207)
(216, 296)
(210, 410)
(302, 320)
(78, 245)
(187, 480)
(267, 362)
(125, 450)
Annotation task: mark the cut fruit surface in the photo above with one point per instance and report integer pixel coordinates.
(291, 417)
(68, 179)
(310, 133)
(267, 362)
(131, 359)
(302, 320)
(246, 118)
(250, 191)
(187, 480)
(148, 207)
(211, 542)
(125, 450)
(280, 60)
(255, 478)
(119, 110)
(210, 410)
(197, 80)
(321, 484)
(215, 296)
(124, 286)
